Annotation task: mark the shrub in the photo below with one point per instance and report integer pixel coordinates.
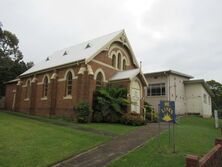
(148, 116)
(154, 116)
(133, 119)
(148, 107)
(110, 104)
(82, 112)
(98, 117)
(113, 118)
(151, 115)
(220, 113)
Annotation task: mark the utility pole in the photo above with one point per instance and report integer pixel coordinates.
(140, 65)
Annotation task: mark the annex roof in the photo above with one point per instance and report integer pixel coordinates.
(80, 52)
(203, 83)
(12, 81)
(128, 74)
(169, 72)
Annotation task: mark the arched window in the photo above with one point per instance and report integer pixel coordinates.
(114, 61)
(69, 83)
(124, 64)
(99, 80)
(45, 87)
(119, 61)
(28, 87)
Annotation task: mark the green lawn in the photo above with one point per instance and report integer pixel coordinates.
(114, 128)
(194, 135)
(108, 127)
(25, 142)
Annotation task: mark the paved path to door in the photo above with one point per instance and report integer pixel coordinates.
(105, 153)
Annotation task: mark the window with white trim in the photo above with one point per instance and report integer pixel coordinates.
(114, 60)
(69, 83)
(99, 80)
(156, 89)
(28, 89)
(124, 64)
(119, 61)
(45, 87)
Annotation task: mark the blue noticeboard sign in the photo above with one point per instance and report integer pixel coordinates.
(167, 111)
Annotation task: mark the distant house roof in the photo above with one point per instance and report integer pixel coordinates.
(128, 74)
(203, 83)
(168, 72)
(81, 52)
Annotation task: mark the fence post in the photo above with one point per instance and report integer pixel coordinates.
(192, 161)
(218, 141)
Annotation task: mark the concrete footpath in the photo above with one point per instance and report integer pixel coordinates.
(114, 149)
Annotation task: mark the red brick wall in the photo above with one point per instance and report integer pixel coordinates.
(42, 106)
(9, 94)
(211, 159)
(82, 88)
(103, 56)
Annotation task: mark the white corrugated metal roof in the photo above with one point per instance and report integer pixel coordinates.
(128, 74)
(74, 53)
(169, 72)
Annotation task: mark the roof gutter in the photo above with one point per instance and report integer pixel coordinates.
(53, 68)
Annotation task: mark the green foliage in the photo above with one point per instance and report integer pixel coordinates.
(82, 111)
(9, 46)
(151, 115)
(110, 104)
(154, 116)
(216, 88)
(11, 64)
(148, 107)
(133, 119)
(98, 117)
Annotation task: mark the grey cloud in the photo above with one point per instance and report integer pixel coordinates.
(184, 35)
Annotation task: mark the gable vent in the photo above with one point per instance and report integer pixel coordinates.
(65, 53)
(88, 46)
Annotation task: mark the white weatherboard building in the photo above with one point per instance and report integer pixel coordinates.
(190, 96)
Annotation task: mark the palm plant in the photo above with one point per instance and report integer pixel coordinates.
(110, 101)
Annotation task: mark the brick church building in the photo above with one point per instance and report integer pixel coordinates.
(55, 85)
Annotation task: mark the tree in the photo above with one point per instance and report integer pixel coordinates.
(9, 46)
(11, 63)
(216, 88)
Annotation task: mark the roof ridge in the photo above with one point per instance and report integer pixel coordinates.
(75, 53)
(92, 39)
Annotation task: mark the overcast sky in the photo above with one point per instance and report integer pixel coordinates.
(183, 35)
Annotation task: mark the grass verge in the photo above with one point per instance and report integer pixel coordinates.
(194, 135)
(27, 142)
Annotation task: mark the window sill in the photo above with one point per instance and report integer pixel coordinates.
(26, 99)
(157, 96)
(44, 98)
(67, 97)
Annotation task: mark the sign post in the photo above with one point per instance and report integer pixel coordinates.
(167, 114)
(216, 119)
(159, 128)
